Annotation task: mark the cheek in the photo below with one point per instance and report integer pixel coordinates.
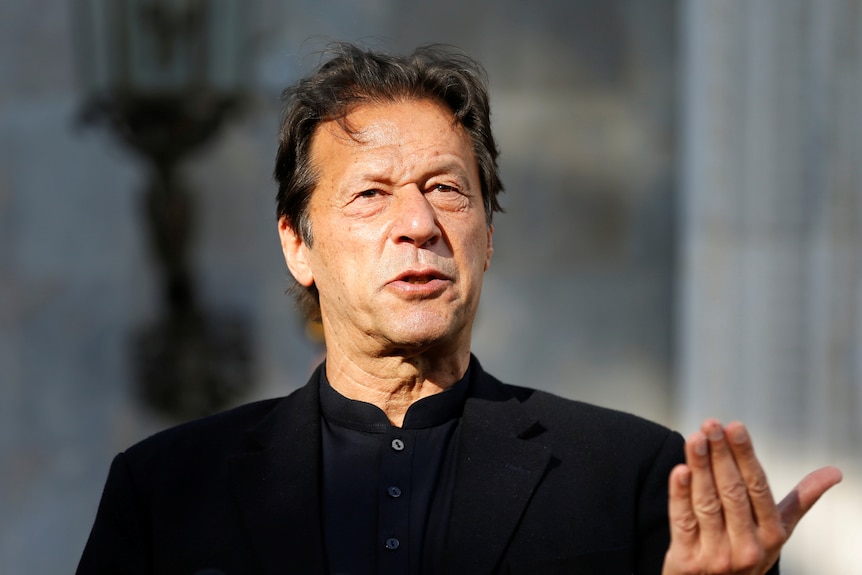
(346, 262)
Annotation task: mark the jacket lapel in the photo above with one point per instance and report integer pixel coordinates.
(277, 485)
(498, 471)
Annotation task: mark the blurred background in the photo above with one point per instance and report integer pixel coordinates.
(684, 212)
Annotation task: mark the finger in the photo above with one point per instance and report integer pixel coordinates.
(805, 495)
(729, 483)
(683, 522)
(757, 485)
(705, 501)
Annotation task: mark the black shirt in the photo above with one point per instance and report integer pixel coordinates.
(387, 490)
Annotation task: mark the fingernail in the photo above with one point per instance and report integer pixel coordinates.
(684, 479)
(739, 435)
(716, 433)
(700, 446)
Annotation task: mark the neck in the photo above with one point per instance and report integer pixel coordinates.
(394, 382)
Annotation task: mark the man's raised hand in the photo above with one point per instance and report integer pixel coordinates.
(723, 517)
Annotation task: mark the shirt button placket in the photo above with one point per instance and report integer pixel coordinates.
(395, 469)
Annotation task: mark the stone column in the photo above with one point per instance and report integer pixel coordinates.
(771, 240)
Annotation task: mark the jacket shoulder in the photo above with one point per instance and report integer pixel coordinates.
(559, 413)
(570, 427)
(216, 436)
(602, 419)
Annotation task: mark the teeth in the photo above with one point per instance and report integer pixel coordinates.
(421, 280)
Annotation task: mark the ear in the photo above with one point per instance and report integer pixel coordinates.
(295, 253)
(489, 251)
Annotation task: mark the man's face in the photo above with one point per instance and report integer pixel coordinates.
(400, 240)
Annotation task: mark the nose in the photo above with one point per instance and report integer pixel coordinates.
(415, 220)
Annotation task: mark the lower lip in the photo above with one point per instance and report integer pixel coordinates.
(429, 288)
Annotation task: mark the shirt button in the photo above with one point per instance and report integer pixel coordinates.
(392, 543)
(394, 491)
(397, 444)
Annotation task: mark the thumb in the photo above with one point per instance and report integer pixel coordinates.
(806, 493)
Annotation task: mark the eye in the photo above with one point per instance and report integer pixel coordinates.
(444, 188)
(368, 194)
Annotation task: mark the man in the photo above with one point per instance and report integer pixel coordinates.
(401, 455)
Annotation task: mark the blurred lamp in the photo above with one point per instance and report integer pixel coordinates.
(164, 75)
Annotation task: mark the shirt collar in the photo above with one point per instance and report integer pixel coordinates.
(427, 412)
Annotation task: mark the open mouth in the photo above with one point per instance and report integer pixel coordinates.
(419, 279)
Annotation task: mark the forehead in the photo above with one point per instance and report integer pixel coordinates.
(393, 134)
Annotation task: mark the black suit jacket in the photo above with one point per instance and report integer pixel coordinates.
(543, 485)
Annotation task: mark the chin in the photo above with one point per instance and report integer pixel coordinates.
(420, 333)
